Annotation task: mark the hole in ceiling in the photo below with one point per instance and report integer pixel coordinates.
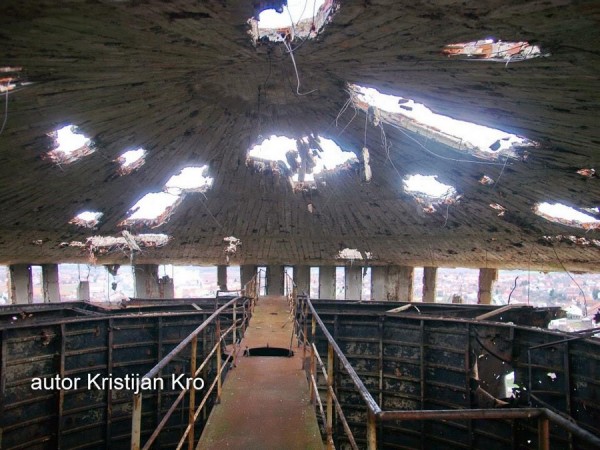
(590, 173)
(131, 160)
(153, 209)
(10, 79)
(294, 19)
(87, 219)
(190, 179)
(565, 215)
(300, 159)
(494, 50)
(70, 145)
(353, 253)
(428, 191)
(477, 140)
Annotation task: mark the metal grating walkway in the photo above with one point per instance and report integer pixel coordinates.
(265, 401)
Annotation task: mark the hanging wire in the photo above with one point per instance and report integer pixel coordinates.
(288, 46)
(585, 311)
(5, 111)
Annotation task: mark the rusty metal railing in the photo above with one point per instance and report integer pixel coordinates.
(376, 415)
(246, 302)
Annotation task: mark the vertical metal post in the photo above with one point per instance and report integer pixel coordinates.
(313, 359)
(304, 330)
(329, 397)
(109, 368)
(136, 422)
(205, 352)
(192, 408)
(61, 392)
(218, 337)
(543, 433)
(371, 431)
(234, 322)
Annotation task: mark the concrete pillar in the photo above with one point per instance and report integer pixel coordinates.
(246, 274)
(302, 279)
(146, 281)
(327, 282)
(21, 284)
(394, 283)
(83, 291)
(166, 287)
(429, 282)
(275, 280)
(222, 277)
(50, 283)
(353, 283)
(486, 283)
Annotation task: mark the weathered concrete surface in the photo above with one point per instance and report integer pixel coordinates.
(265, 401)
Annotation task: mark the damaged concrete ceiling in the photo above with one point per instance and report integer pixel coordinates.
(183, 80)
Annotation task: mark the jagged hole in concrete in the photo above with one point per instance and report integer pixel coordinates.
(407, 115)
(493, 50)
(155, 208)
(87, 219)
(131, 160)
(428, 191)
(566, 215)
(299, 159)
(70, 145)
(299, 19)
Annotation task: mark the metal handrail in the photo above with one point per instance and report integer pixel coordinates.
(248, 301)
(376, 414)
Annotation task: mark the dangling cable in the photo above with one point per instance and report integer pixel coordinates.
(289, 48)
(5, 111)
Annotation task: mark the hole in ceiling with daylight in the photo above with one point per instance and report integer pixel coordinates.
(155, 208)
(405, 114)
(86, 219)
(566, 215)
(493, 50)
(428, 191)
(131, 160)
(299, 159)
(277, 21)
(70, 144)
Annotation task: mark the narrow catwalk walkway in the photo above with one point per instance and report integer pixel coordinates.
(265, 402)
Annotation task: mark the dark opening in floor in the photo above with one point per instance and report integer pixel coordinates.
(269, 351)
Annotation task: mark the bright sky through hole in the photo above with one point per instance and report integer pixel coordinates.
(89, 216)
(276, 147)
(298, 9)
(153, 205)
(273, 149)
(68, 141)
(428, 185)
(478, 135)
(560, 211)
(190, 178)
(132, 156)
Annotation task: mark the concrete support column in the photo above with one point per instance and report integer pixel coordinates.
(50, 283)
(327, 282)
(222, 277)
(246, 274)
(302, 279)
(83, 291)
(353, 283)
(275, 280)
(429, 282)
(487, 277)
(146, 281)
(394, 283)
(166, 287)
(21, 284)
